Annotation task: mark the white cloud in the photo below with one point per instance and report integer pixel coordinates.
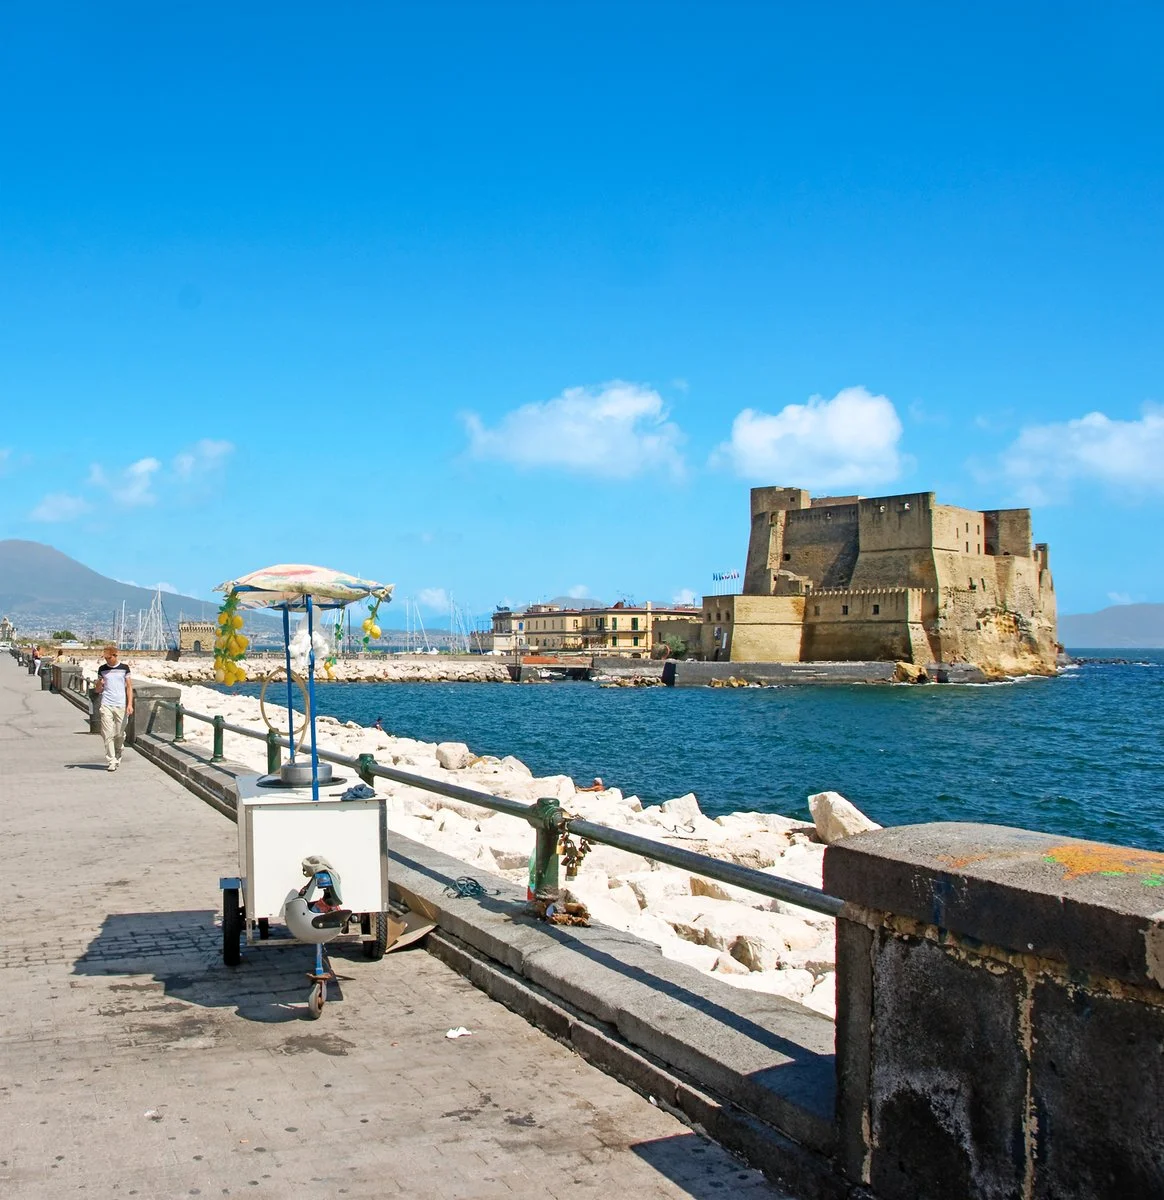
(579, 592)
(1120, 598)
(1044, 460)
(848, 441)
(59, 506)
(683, 596)
(619, 430)
(131, 487)
(205, 455)
(165, 587)
(435, 598)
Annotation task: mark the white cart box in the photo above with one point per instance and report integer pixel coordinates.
(279, 827)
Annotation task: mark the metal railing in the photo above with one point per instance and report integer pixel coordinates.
(555, 828)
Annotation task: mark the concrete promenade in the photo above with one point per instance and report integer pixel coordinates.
(133, 1063)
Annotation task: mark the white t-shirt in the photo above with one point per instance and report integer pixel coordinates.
(113, 691)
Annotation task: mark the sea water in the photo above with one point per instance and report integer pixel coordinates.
(1081, 754)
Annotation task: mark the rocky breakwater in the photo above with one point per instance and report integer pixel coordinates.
(743, 939)
(420, 668)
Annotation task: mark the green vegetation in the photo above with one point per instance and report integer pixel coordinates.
(64, 635)
(675, 644)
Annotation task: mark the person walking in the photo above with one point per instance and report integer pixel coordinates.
(115, 690)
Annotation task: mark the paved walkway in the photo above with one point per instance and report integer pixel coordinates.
(133, 1063)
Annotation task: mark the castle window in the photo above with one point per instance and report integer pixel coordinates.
(727, 616)
(787, 557)
(967, 547)
(816, 610)
(844, 610)
(876, 609)
(977, 549)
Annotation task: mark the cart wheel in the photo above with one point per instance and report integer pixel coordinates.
(377, 924)
(315, 1001)
(231, 927)
(264, 928)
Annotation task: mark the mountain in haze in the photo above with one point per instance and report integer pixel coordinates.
(1121, 627)
(41, 587)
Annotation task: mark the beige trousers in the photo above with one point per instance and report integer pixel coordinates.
(113, 732)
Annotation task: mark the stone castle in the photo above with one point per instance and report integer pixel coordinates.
(848, 578)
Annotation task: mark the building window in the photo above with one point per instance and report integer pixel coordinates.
(634, 641)
(614, 622)
(788, 558)
(816, 610)
(977, 549)
(844, 610)
(876, 609)
(727, 616)
(635, 624)
(967, 547)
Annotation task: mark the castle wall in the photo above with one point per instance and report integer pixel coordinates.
(958, 529)
(952, 584)
(859, 625)
(766, 539)
(1008, 531)
(821, 544)
(766, 629)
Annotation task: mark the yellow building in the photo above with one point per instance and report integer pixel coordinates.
(622, 629)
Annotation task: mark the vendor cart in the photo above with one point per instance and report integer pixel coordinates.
(304, 822)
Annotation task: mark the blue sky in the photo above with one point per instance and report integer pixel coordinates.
(515, 300)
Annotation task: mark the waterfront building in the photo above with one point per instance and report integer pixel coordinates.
(903, 578)
(627, 630)
(7, 630)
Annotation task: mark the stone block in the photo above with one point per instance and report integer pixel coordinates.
(948, 1075)
(1088, 904)
(1097, 1083)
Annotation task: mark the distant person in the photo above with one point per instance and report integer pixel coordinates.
(115, 689)
(596, 786)
(378, 723)
(36, 660)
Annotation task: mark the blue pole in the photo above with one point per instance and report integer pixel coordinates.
(311, 701)
(287, 650)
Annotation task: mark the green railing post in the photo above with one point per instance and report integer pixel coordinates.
(364, 765)
(274, 752)
(547, 818)
(217, 755)
(179, 722)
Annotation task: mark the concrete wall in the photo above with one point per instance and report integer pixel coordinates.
(1000, 1028)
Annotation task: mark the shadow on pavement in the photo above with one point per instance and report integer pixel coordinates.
(183, 952)
(703, 1169)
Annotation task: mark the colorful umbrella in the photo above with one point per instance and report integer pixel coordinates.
(286, 586)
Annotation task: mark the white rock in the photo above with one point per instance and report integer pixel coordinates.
(682, 808)
(448, 821)
(823, 997)
(516, 766)
(598, 902)
(726, 965)
(651, 929)
(793, 984)
(702, 957)
(836, 818)
(453, 756)
(651, 887)
(625, 898)
(715, 890)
